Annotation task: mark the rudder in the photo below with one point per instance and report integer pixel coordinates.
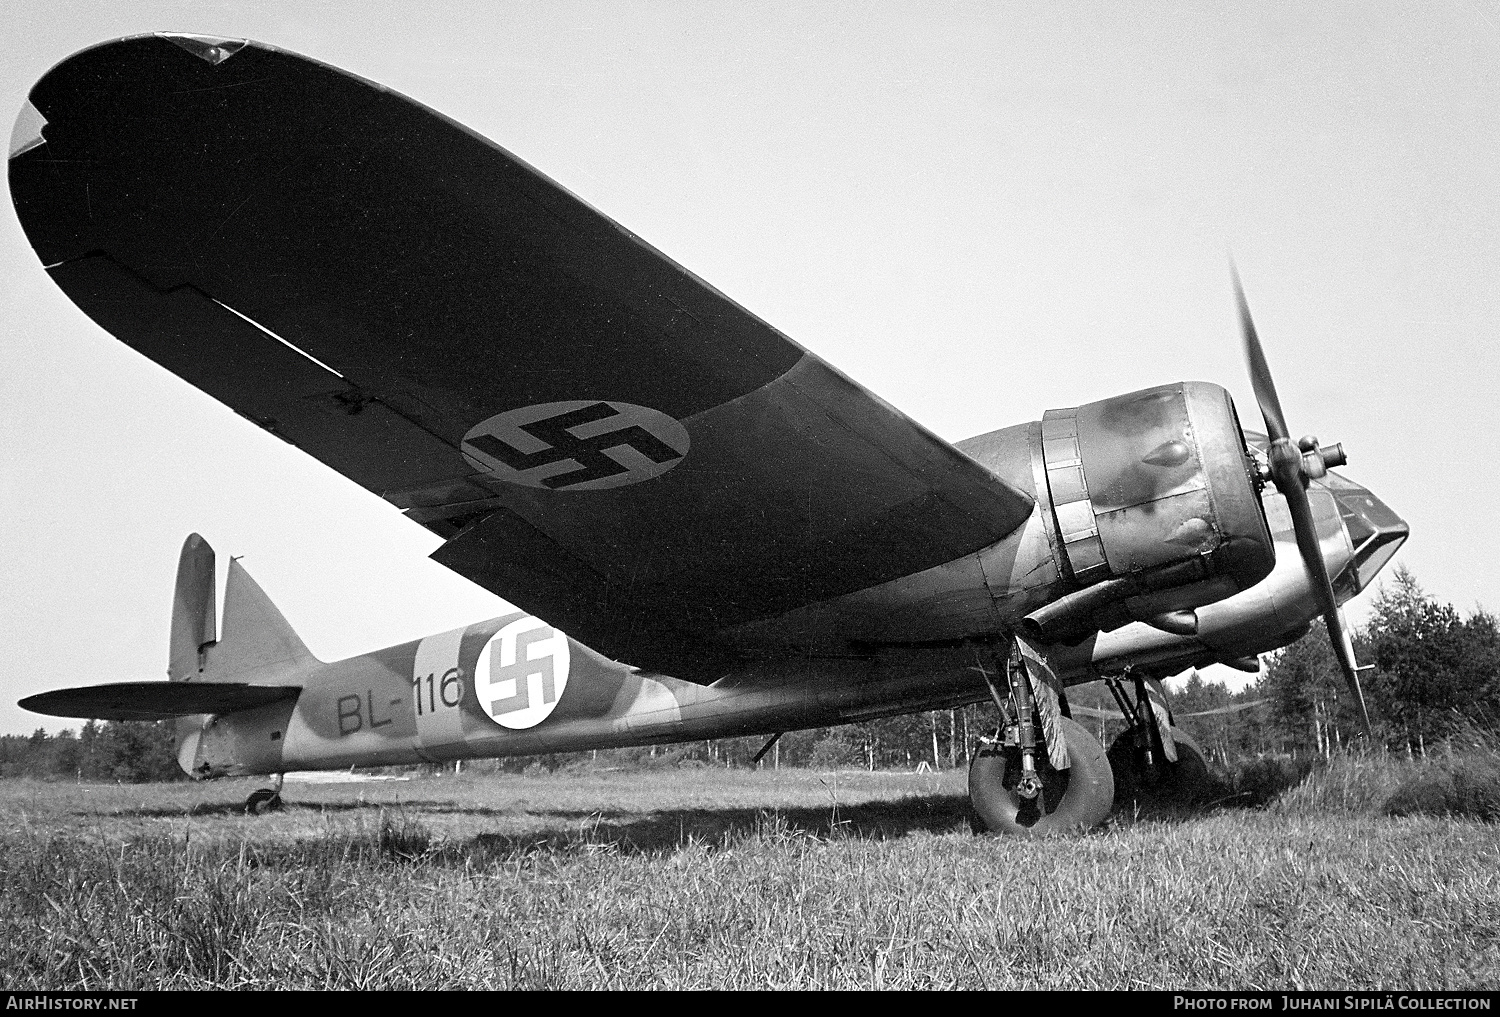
(194, 609)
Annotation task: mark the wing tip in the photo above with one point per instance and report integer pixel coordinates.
(27, 132)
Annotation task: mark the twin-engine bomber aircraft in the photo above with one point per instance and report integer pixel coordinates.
(612, 445)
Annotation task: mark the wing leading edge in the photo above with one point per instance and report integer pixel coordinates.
(607, 441)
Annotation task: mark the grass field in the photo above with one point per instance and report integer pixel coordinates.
(707, 878)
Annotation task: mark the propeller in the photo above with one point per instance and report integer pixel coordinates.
(1292, 465)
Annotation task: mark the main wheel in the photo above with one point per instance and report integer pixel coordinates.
(1184, 783)
(1077, 798)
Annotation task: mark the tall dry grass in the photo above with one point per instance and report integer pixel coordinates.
(646, 882)
(1458, 778)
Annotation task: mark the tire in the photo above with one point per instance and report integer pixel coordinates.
(1078, 798)
(1182, 784)
(263, 800)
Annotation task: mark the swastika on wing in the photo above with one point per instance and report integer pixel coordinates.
(521, 673)
(582, 445)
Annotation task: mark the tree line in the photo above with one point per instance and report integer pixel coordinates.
(1435, 674)
(125, 751)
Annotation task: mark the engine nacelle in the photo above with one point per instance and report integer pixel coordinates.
(1155, 509)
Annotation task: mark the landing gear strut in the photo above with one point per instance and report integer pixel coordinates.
(1040, 773)
(266, 799)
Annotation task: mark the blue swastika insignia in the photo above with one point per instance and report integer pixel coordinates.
(521, 673)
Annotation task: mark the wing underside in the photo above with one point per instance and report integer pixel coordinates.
(605, 440)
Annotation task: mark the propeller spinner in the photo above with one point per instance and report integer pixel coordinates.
(1292, 465)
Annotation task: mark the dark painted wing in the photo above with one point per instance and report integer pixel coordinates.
(610, 443)
(156, 700)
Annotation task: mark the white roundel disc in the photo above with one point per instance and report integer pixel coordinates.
(578, 445)
(521, 673)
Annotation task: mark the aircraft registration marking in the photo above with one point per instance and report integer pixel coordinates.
(577, 445)
(521, 673)
(358, 713)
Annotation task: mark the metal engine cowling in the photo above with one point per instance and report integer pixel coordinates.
(1155, 506)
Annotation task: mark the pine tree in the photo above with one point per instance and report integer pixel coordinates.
(1311, 706)
(1436, 671)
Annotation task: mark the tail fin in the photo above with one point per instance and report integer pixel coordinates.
(257, 644)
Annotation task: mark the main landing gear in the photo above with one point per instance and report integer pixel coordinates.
(266, 799)
(1040, 773)
(1156, 765)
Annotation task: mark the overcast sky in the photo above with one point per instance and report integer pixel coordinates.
(980, 211)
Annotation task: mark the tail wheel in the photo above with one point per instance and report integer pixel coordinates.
(1077, 798)
(1183, 783)
(263, 800)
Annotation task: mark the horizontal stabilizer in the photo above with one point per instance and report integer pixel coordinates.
(156, 700)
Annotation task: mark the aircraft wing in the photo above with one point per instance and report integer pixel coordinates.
(604, 440)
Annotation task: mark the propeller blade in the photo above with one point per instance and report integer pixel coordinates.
(1289, 472)
(1260, 372)
(1343, 650)
(1305, 528)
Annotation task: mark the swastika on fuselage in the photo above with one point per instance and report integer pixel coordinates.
(577, 445)
(521, 673)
